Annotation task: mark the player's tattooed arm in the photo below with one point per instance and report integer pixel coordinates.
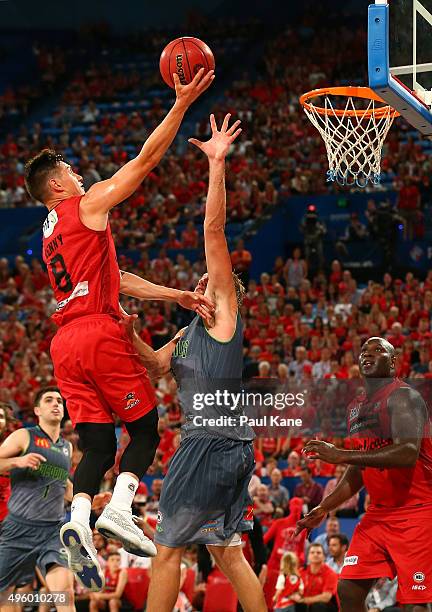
(408, 416)
(350, 484)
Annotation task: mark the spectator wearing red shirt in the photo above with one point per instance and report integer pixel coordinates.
(264, 508)
(189, 237)
(396, 337)
(281, 533)
(310, 491)
(172, 242)
(320, 583)
(115, 582)
(408, 205)
(241, 260)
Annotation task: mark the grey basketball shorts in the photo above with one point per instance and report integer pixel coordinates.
(23, 546)
(205, 497)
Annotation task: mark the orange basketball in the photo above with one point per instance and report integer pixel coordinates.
(185, 56)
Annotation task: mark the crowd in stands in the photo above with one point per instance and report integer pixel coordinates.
(108, 109)
(298, 331)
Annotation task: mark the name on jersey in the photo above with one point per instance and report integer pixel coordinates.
(53, 245)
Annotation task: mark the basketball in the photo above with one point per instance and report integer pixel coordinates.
(185, 56)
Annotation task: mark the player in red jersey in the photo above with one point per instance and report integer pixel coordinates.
(5, 486)
(393, 460)
(96, 366)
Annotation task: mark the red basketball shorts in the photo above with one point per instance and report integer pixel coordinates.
(99, 372)
(394, 543)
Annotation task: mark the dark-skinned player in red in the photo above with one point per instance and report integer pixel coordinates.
(96, 366)
(390, 429)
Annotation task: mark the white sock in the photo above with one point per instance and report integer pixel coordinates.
(124, 492)
(80, 510)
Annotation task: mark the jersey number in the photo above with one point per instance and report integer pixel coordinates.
(61, 276)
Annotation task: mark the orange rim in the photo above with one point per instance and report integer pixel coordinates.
(353, 92)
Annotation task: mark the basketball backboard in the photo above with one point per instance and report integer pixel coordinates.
(400, 58)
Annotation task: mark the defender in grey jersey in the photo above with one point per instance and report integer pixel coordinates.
(38, 461)
(205, 493)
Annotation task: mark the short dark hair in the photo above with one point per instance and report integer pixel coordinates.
(38, 169)
(343, 540)
(39, 395)
(316, 545)
(113, 554)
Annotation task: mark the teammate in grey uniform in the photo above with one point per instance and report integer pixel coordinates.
(205, 493)
(38, 460)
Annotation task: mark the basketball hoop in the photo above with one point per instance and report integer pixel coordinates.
(353, 136)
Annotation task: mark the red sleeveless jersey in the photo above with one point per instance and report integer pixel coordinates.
(5, 491)
(369, 425)
(82, 265)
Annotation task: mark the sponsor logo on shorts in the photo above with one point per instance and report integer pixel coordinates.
(353, 560)
(159, 517)
(210, 526)
(131, 400)
(419, 577)
(131, 487)
(248, 514)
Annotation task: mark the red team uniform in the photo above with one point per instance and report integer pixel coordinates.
(395, 536)
(96, 366)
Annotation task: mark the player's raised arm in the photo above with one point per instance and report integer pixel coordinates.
(219, 267)
(102, 196)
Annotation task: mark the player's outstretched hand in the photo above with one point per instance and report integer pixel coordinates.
(318, 449)
(198, 303)
(187, 94)
(219, 144)
(313, 519)
(32, 461)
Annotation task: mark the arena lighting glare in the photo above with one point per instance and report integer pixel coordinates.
(311, 208)
(29, 252)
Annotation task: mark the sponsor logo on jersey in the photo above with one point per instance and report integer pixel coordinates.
(181, 349)
(353, 560)
(159, 528)
(159, 517)
(80, 290)
(131, 400)
(49, 224)
(293, 579)
(65, 451)
(42, 442)
(418, 587)
(355, 411)
(419, 577)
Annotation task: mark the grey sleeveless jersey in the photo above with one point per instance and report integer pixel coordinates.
(38, 495)
(208, 375)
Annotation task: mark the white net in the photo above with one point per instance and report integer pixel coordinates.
(353, 138)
